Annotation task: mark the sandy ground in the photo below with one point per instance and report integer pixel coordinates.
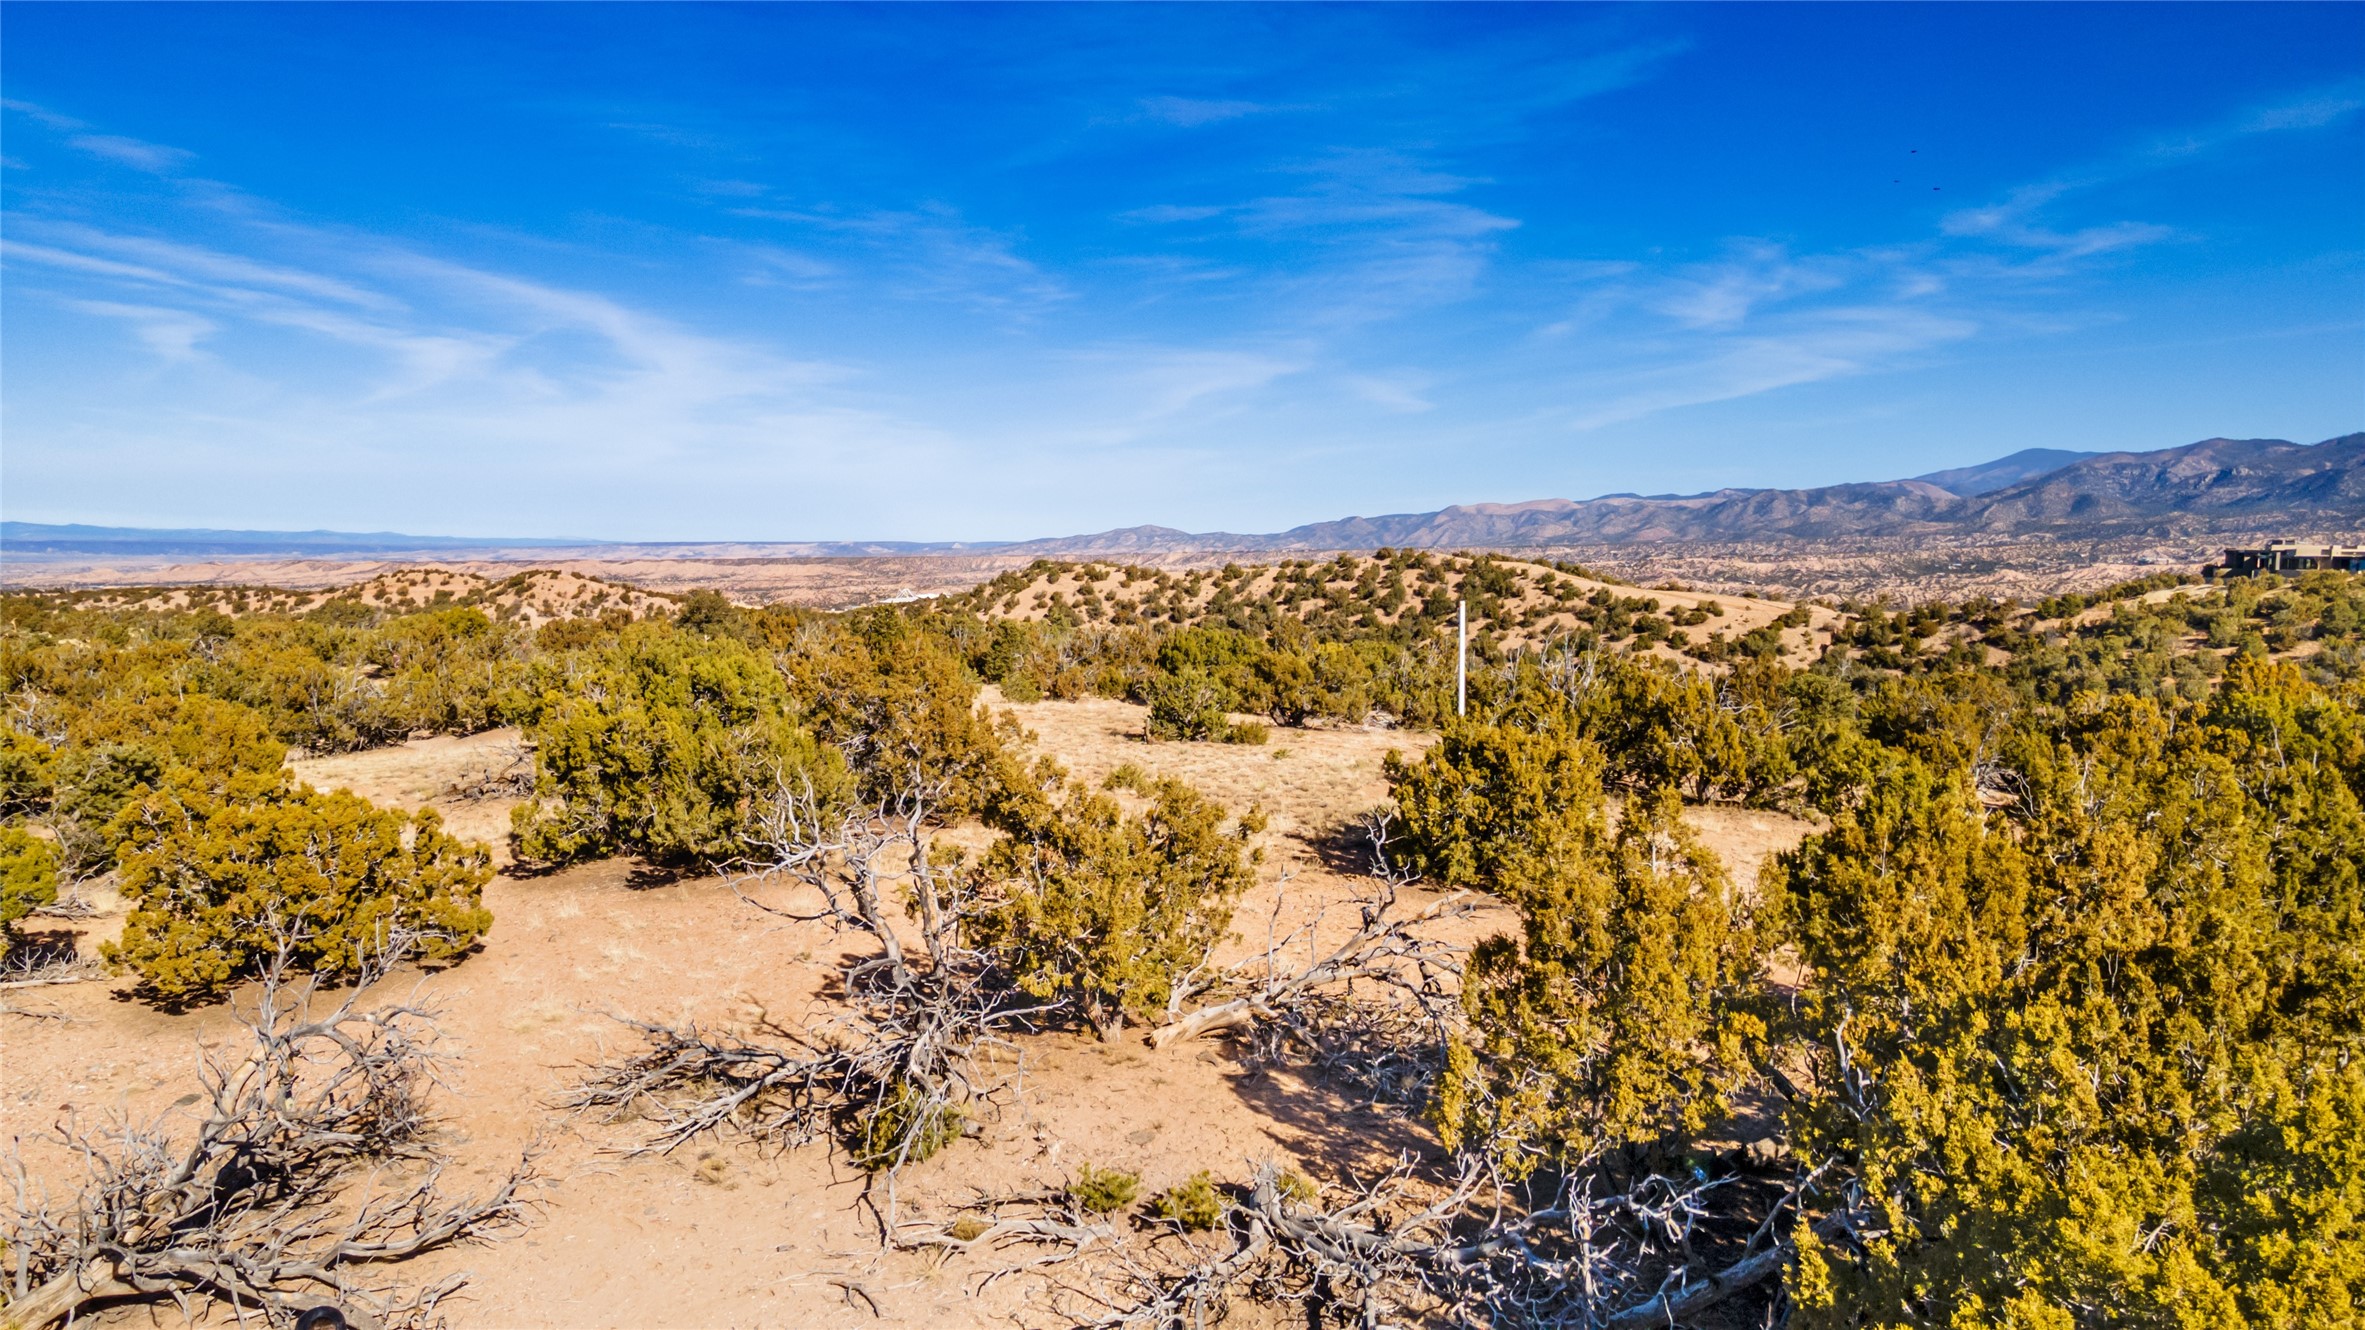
(719, 1234)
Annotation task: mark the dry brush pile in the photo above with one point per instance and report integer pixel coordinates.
(301, 1170)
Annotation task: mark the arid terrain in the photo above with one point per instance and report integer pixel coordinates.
(1540, 605)
(1911, 569)
(717, 1234)
(827, 583)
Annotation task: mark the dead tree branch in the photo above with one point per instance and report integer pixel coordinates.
(1384, 948)
(311, 1158)
(897, 1071)
(508, 773)
(1586, 1262)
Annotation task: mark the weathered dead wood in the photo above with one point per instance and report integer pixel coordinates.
(310, 1159)
(896, 1070)
(1382, 950)
(509, 776)
(1588, 1262)
(1678, 1304)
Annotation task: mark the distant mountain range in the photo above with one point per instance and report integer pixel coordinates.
(2037, 491)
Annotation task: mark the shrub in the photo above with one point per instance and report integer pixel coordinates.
(1190, 704)
(1292, 689)
(709, 613)
(447, 670)
(1103, 1191)
(1658, 725)
(1110, 910)
(1487, 796)
(2101, 1053)
(204, 734)
(1195, 1205)
(1617, 1016)
(307, 685)
(1295, 1188)
(664, 744)
(219, 879)
(904, 1128)
(28, 875)
(901, 707)
(27, 772)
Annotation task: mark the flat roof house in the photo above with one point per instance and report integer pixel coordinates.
(2294, 556)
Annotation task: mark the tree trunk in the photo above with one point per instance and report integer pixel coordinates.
(61, 1296)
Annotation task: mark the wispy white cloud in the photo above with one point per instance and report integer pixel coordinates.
(451, 349)
(1391, 235)
(196, 264)
(173, 334)
(1191, 112)
(2312, 109)
(1399, 392)
(1641, 339)
(731, 189)
(88, 263)
(1724, 294)
(41, 115)
(1158, 213)
(772, 265)
(932, 253)
(1810, 348)
(1148, 387)
(1373, 188)
(2010, 223)
(2016, 218)
(1638, 340)
(151, 157)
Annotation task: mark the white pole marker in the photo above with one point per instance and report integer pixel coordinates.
(1461, 659)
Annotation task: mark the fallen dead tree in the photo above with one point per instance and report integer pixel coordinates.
(1050, 1219)
(304, 1165)
(1612, 1261)
(506, 774)
(1387, 950)
(897, 1070)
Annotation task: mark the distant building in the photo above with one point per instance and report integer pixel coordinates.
(2293, 556)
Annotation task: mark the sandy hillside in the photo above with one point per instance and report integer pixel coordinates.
(719, 1234)
(1542, 604)
(532, 597)
(829, 583)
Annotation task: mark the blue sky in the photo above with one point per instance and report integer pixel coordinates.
(812, 272)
